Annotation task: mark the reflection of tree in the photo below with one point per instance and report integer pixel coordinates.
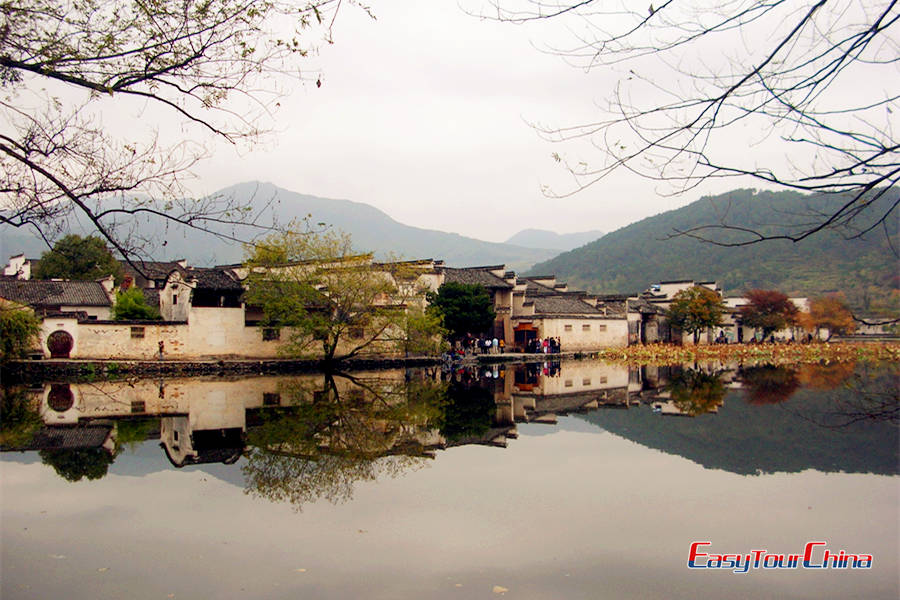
(19, 418)
(825, 376)
(769, 384)
(695, 392)
(75, 464)
(132, 432)
(871, 394)
(330, 439)
(468, 412)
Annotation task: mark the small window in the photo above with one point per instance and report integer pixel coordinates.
(174, 298)
(586, 381)
(603, 379)
(271, 333)
(601, 327)
(92, 317)
(586, 327)
(271, 399)
(356, 332)
(175, 434)
(138, 406)
(568, 328)
(137, 332)
(568, 383)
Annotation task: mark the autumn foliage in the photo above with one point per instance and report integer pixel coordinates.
(768, 310)
(828, 312)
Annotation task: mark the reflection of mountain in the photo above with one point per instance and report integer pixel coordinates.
(749, 439)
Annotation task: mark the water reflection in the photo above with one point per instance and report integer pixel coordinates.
(303, 438)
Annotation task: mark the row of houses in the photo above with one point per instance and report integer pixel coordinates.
(204, 314)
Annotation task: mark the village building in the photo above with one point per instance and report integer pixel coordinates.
(204, 314)
(19, 267)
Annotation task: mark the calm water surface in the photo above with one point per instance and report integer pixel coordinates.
(572, 480)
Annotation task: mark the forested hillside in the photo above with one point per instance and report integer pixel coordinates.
(631, 258)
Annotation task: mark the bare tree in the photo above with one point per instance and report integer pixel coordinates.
(194, 70)
(816, 82)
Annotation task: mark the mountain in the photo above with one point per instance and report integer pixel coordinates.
(631, 258)
(541, 238)
(826, 430)
(370, 228)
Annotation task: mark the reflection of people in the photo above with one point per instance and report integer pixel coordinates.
(162, 349)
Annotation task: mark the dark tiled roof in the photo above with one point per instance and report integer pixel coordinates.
(613, 308)
(563, 305)
(642, 306)
(92, 436)
(475, 276)
(40, 293)
(152, 269)
(151, 296)
(533, 288)
(214, 279)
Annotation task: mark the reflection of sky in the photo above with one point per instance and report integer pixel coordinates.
(573, 514)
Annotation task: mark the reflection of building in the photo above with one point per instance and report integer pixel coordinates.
(212, 431)
(544, 391)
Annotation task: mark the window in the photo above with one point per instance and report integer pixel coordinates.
(137, 332)
(601, 327)
(603, 379)
(138, 406)
(356, 332)
(568, 328)
(586, 327)
(586, 381)
(271, 333)
(271, 399)
(568, 383)
(174, 298)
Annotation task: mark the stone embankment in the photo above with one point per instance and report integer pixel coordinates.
(50, 369)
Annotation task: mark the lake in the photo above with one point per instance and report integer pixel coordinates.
(544, 480)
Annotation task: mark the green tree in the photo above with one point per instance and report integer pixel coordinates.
(132, 306)
(424, 332)
(19, 331)
(768, 310)
(465, 307)
(325, 294)
(63, 64)
(696, 309)
(80, 258)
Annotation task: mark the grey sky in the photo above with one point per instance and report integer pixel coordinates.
(424, 114)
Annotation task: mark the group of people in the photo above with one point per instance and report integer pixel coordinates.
(483, 345)
(548, 345)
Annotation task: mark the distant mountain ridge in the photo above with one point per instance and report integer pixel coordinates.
(542, 238)
(370, 228)
(631, 258)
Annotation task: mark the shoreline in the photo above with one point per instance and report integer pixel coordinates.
(651, 354)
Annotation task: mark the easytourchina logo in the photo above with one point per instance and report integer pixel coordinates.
(815, 555)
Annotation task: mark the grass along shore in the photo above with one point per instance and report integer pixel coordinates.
(776, 354)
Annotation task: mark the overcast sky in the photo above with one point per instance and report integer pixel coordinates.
(424, 113)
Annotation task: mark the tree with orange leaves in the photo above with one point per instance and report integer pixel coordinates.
(830, 313)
